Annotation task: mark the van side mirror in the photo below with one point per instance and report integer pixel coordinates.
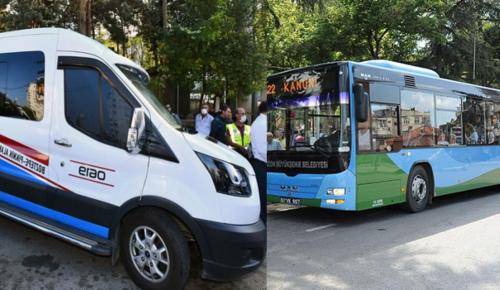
(136, 131)
(362, 103)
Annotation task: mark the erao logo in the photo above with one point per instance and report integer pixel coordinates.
(92, 173)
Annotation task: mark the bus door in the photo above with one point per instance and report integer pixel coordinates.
(378, 180)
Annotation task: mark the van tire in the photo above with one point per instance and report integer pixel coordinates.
(418, 190)
(147, 223)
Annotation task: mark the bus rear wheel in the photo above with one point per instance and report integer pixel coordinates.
(418, 190)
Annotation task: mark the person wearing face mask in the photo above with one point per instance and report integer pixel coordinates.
(176, 117)
(238, 134)
(203, 121)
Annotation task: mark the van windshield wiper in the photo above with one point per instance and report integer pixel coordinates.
(186, 130)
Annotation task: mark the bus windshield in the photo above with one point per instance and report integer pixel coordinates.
(309, 118)
(316, 128)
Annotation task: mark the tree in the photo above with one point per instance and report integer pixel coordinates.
(24, 14)
(119, 18)
(451, 50)
(85, 17)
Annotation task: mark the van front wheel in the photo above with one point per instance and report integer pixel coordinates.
(154, 251)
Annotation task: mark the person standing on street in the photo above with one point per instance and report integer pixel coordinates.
(238, 133)
(203, 121)
(258, 139)
(176, 117)
(218, 125)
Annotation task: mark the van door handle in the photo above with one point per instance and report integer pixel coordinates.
(63, 142)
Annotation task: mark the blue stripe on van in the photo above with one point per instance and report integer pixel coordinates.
(63, 218)
(12, 170)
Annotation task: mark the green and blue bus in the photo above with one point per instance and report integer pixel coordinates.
(355, 136)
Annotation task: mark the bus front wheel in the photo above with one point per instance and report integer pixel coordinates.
(418, 189)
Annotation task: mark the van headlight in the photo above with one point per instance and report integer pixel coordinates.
(228, 178)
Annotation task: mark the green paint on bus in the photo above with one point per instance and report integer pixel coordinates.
(379, 181)
(487, 179)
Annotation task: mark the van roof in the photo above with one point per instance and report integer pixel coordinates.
(69, 40)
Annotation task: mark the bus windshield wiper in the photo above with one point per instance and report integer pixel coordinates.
(323, 153)
(300, 146)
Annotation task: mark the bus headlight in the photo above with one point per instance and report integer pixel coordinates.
(336, 191)
(228, 178)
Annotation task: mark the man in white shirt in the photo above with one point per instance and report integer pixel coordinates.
(258, 140)
(203, 121)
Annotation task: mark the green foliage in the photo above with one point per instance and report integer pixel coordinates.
(24, 14)
(213, 41)
(118, 17)
(438, 34)
(231, 45)
(450, 52)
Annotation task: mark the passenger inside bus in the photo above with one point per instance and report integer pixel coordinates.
(494, 130)
(272, 143)
(471, 136)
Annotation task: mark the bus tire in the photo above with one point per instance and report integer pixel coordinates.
(418, 189)
(154, 250)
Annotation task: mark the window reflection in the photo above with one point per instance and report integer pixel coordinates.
(449, 121)
(417, 118)
(384, 128)
(22, 85)
(95, 108)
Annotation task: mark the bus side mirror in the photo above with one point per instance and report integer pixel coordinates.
(362, 99)
(136, 131)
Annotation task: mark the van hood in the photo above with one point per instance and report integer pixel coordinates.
(217, 150)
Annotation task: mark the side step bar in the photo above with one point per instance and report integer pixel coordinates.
(82, 242)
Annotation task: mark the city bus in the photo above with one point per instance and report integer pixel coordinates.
(360, 135)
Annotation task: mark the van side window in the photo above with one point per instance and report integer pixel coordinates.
(95, 108)
(22, 85)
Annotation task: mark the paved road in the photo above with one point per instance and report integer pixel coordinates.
(31, 260)
(453, 245)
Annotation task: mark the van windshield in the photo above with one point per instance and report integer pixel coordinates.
(141, 81)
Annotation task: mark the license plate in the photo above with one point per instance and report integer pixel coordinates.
(292, 201)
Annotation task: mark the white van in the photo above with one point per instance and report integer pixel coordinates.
(89, 155)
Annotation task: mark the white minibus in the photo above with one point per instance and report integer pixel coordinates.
(89, 155)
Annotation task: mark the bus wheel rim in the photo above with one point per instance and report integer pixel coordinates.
(149, 254)
(418, 188)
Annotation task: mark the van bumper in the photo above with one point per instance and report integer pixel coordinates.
(234, 250)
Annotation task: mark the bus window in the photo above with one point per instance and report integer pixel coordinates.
(449, 121)
(384, 123)
(473, 122)
(417, 118)
(364, 143)
(364, 132)
(492, 122)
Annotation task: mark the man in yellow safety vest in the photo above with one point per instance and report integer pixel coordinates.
(238, 134)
